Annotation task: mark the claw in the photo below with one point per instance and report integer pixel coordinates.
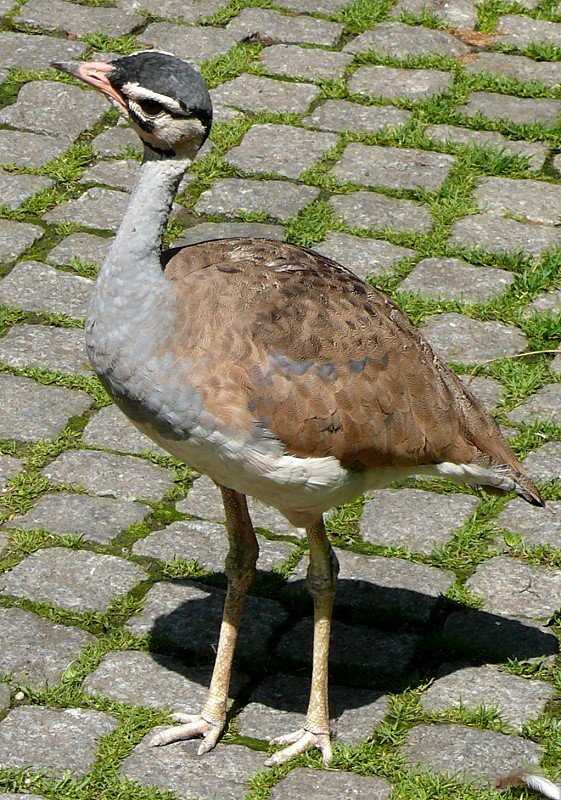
(299, 742)
(194, 727)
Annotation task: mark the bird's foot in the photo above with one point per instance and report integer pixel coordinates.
(298, 742)
(194, 726)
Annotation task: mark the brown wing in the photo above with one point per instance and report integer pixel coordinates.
(283, 340)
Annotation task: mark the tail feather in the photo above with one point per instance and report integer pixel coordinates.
(530, 781)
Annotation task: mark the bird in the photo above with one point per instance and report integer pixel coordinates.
(270, 368)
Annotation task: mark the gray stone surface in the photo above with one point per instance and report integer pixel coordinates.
(112, 142)
(46, 411)
(226, 230)
(35, 651)
(153, 680)
(546, 303)
(555, 365)
(16, 237)
(279, 705)
(521, 31)
(487, 390)
(53, 740)
(364, 256)
(330, 785)
(279, 199)
(514, 589)
(117, 174)
(281, 149)
(74, 579)
(467, 752)
(415, 84)
(309, 63)
(224, 773)
(545, 404)
(255, 93)
(98, 208)
(414, 518)
(310, 6)
(185, 10)
(544, 464)
(534, 201)
(194, 44)
(33, 286)
(77, 109)
(376, 211)
(84, 247)
(15, 189)
(9, 466)
(28, 149)
(517, 700)
(400, 41)
(355, 648)
(537, 526)
(535, 152)
(96, 519)
(206, 543)
(105, 474)
(188, 614)
(271, 25)
(111, 429)
(461, 339)
(494, 233)
(342, 115)
(393, 167)
(57, 15)
(4, 701)
(521, 110)
(452, 278)
(459, 14)
(45, 347)
(518, 67)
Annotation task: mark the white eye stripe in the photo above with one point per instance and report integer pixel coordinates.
(137, 94)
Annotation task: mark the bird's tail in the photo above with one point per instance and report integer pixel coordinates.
(530, 780)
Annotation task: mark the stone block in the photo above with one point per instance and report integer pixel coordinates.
(45, 347)
(544, 464)
(533, 201)
(520, 31)
(281, 149)
(494, 233)
(555, 365)
(76, 109)
(84, 247)
(53, 740)
(546, 303)
(29, 149)
(300, 62)
(15, 238)
(393, 167)
(111, 429)
(330, 785)
(229, 230)
(57, 15)
(73, 579)
(194, 44)
(454, 279)
(16, 189)
(224, 773)
(264, 24)
(33, 286)
(254, 93)
(460, 14)
(45, 413)
(376, 211)
(5, 700)
(105, 474)
(35, 651)
(544, 405)
(19, 50)
(520, 110)
(342, 115)
(398, 40)
(519, 68)
(363, 256)
(117, 174)
(188, 614)
(535, 152)
(96, 208)
(184, 10)
(414, 518)
(9, 467)
(96, 519)
(154, 680)
(311, 6)
(278, 199)
(537, 526)
(415, 84)
(487, 390)
(112, 142)
(279, 705)
(461, 339)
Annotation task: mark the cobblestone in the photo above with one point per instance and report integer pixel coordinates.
(468, 341)
(399, 40)
(281, 149)
(342, 115)
(452, 278)
(185, 10)
(309, 6)
(415, 84)
(254, 93)
(35, 651)
(372, 210)
(116, 174)
(73, 579)
(111, 429)
(545, 404)
(61, 349)
(521, 31)
(487, 390)
(4, 704)
(83, 247)
(57, 15)
(545, 462)
(308, 63)
(33, 286)
(518, 67)
(46, 411)
(535, 152)
(537, 526)
(279, 199)
(96, 208)
(227, 230)
(15, 189)
(393, 167)
(521, 110)
(15, 238)
(271, 25)
(9, 467)
(29, 149)
(546, 303)
(494, 233)
(460, 14)
(194, 44)
(395, 520)
(364, 256)
(534, 201)
(330, 785)
(112, 142)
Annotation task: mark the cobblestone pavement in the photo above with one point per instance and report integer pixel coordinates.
(417, 143)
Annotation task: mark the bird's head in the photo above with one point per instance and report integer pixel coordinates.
(164, 99)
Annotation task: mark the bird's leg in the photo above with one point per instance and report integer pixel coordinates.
(321, 582)
(240, 571)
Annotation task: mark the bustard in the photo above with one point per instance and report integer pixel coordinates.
(270, 368)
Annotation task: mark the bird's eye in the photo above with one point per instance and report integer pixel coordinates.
(150, 107)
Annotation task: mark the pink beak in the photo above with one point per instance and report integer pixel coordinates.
(94, 73)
